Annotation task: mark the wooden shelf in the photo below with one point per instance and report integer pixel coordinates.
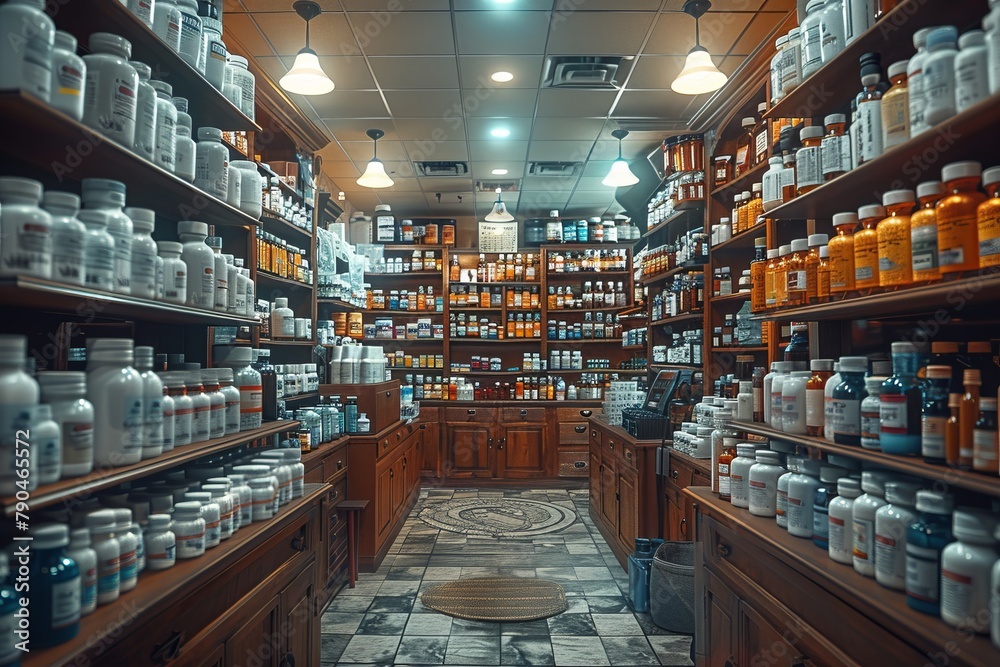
(405, 274)
(275, 224)
(657, 277)
(736, 296)
(313, 395)
(674, 365)
(581, 341)
(45, 295)
(740, 349)
(510, 402)
(522, 283)
(495, 340)
(401, 340)
(159, 587)
(322, 448)
(270, 277)
(465, 309)
(581, 311)
(400, 313)
(969, 135)
(287, 343)
(677, 319)
(206, 104)
(148, 185)
(414, 246)
(742, 240)
(66, 490)
(747, 180)
(495, 373)
(336, 303)
(583, 275)
(908, 465)
(882, 605)
(633, 347)
(952, 298)
(663, 224)
(836, 82)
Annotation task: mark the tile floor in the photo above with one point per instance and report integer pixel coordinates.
(382, 621)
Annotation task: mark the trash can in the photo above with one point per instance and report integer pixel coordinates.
(671, 587)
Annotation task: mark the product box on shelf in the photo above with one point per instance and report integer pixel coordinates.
(379, 401)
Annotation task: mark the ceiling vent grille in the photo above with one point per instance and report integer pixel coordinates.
(555, 169)
(491, 186)
(432, 169)
(585, 72)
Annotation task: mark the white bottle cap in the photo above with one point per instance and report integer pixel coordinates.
(209, 134)
(798, 245)
(871, 211)
(98, 191)
(142, 69)
(143, 219)
(143, 357)
(971, 38)
(65, 41)
(811, 132)
(968, 525)
(957, 170)
(898, 68)
(935, 502)
(757, 187)
(893, 197)
(383, 207)
(158, 522)
(824, 252)
(834, 118)
(749, 122)
(169, 247)
(784, 250)
(936, 188)
(49, 536)
(107, 42)
(163, 88)
(946, 34)
(821, 365)
(848, 486)
(281, 302)
(192, 227)
(991, 176)
(746, 195)
(773, 253)
(904, 347)
(854, 364)
(845, 219)
(24, 188)
(762, 107)
(101, 521)
(818, 240)
(65, 203)
(920, 37)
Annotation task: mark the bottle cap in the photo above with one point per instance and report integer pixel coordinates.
(49, 536)
(898, 68)
(774, 161)
(65, 41)
(773, 253)
(990, 176)
(903, 347)
(944, 347)
(811, 132)
(142, 69)
(169, 247)
(979, 347)
(158, 522)
(143, 219)
(873, 384)
(746, 195)
(768, 457)
(848, 487)
(163, 89)
(64, 203)
(971, 376)
(814, 5)
(971, 525)
(946, 34)
(760, 242)
(784, 250)
(956, 170)
(834, 119)
(874, 481)
(824, 252)
(816, 240)
(845, 219)
(237, 60)
(893, 197)
(830, 474)
(871, 64)
(757, 187)
(383, 207)
(192, 227)
(105, 41)
(100, 521)
(799, 245)
(934, 502)
(821, 365)
(920, 37)
(971, 38)
(749, 122)
(871, 211)
(794, 32)
(988, 403)
(746, 450)
(938, 372)
(901, 493)
(936, 188)
(854, 364)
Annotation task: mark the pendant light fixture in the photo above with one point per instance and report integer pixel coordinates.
(499, 212)
(306, 76)
(375, 176)
(620, 175)
(700, 75)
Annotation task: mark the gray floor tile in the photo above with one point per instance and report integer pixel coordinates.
(630, 651)
(340, 623)
(331, 648)
(410, 561)
(593, 573)
(405, 573)
(350, 603)
(556, 573)
(362, 589)
(610, 604)
(672, 649)
(428, 624)
(525, 628)
(392, 604)
(526, 650)
(383, 624)
(579, 651)
(462, 626)
(370, 649)
(573, 625)
(398, 587)
(576, 604)
(422, 651)
(443, 574)
(473, 651)
(616, 625)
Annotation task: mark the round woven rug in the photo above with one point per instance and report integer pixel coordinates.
(497, 599)
(497, 517)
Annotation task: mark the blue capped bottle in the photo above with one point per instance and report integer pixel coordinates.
(55, 587)
(900, 403)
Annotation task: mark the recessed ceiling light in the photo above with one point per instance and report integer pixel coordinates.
(500, 132)
(502, 77)
(499, 172)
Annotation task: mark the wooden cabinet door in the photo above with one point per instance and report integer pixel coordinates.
(761, 641)
(398, 473)
(383, 499)
(258, 641)
(717, 641)
(628, 507)
(430, 455)
(609, 490)
(468, 450)
(299, 624)
(595, 481)
(680, 519)
(414, 461)
(521, 451)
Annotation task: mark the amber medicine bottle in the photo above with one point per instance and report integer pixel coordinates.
(808, 170)
(781, 276)
(758, 269)
(823, 274)
(968, 414)
(770, 288)
(894, 269)
(841, 255)
(796, 272)
(836, 147)
(923, 233)
(812, 266)
(988, 219)
(866, 276)
(958, 241)
(896, 108)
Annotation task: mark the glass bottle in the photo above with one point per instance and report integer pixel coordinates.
(894, 249)
(939, 75)
(823, 275)
(835, 156)
(846, 403)
(758, 268)
(822, 370)
(770, 275)
(797, 352)
(723, 462)
(745, 147)
(926, 538)
(924, 233)
(899, 410)
(811, 262)
(771, 185)
(984, 451)
(841, 255)
(808, 160)
(968, 415)
(953, 431)
(870, 412)
(781, 276)
(762, 136)
(55, 587)
(935, 413)
(988, 220)
(958, 242)
(869, 116)
(866, 277)
(796, 272)
(896, 107)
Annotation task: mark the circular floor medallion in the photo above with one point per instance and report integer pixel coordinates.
(498, 517)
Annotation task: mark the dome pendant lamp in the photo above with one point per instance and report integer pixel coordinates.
(700, 75)
(375, 176)
(499, 212)
(306, 76)
(620, 175)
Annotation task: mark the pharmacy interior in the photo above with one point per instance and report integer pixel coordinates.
(272, 270)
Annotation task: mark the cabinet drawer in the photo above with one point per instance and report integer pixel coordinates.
(679, 475)
(477, 415)
(334, 464)
(596, 439)
(338, 492)
(519, 415)
(574, 414)
(629, 454)
(700, 478)
(573, 433)
(574, 464)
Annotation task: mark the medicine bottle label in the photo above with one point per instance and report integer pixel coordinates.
(821, 525)
(67, 256)
(88, 588)
(132, 424)
(869, 120)
(841, 266)
(984, 448)
(845, 416)
(932, 436)
(957, 242)
(70, 81)
(865, 260)
(864, 540)
(36, 68)
(889, 557)
(100, 267)
(65, 603)
(129, 566)
(896, 120)
(48, 458)
(894, 253)
(924, 249)
(956, 594)
(807, 169)
(799, 514)
(923, 567)
(144, 270)
(839, 538)
(892, 414)
(251, 406)
(108, 576)
(759, 495)
(870, 426)
(989, 240)
(814, 407)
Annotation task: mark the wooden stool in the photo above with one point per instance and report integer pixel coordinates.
(352, 507)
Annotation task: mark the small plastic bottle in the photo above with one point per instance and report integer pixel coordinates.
(109, 196)
(221, 497)
(866, 265)
(777, 388)
(201, 416)
(894, 245)
(282, 319)
(968, 415)
(863, 514)
(846, 403)
(55, 587)
(821, 371)
(26, 50)
(808, 159)
(144, 252)
(828, 388)
(217, 402)
(245, 493)
(824, 495)
(145, 114)
(264, 498)
(836, 147)
(926, 538)
(793, 402)
(924, 233)
(746, 456)
(802, 488)
(841, 255)
(128, 545)
(971, 70)
(200, 262)
(116, 391)
(26, 229)
(211, 513)
(185, 149)
(763, 483)
(939, 75)
(364, 424)
(966, 569)
(191, 34)
(248, 381)
(69, 71)
(900, 403)
(174, 272)
(988, 219)
(870, 428)
(160, 543)
(892, 521)
(167, 23)
(915, 83)
(109, 104)
(68, 237)
(79, 550)
(781, 498)
(935, 413)
(165, 150)
(869, 110)
(841, 531)
(101, 524)
(46, 446)
(896, 108)
(188, 528)
(232, 402)
(958, 241)
(984, 438)
(212, 163)
(812, 38)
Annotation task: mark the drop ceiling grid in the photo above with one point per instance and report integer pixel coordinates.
(445, 73)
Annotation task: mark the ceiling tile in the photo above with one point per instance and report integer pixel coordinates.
(390, 5)
(405, 185)
(499, 102)
(329, 33)
(406, 203)
(419, 33)
(350, 104)
(672, 35)
(483, 170)
(566, 129)
(592, 184)
(650, 104)
(400, 168)
(451, 128)
(243, 36)
(779, 6)
(256, 6)
(573, 103)
(332, 152)
(479, 128)
(651, 136)
(405, 72)
(655, 72)
(540, 183)
(361, 151)
(365, 200)
(423, 103)
(443, 184)
(340, 170)
(599, 33)
(510, 32)
(476, 71)
(597, 168)
(491, 5)
(730, 64)
(631, 150)
(498, 150)
(757, 32)
(559, 151)
(739, 5)
(437, 150)
(354, 129)
(720, 30)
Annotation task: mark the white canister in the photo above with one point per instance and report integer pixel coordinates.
(221, 497)
(188, 528)
(939, 75)
(46, 448)
(801, 496)
(863, 515)
(211, 513)
(965, 570)
(185, 149)
(244, 80)
(214, 52)
(739, 475)
(174, 272)
(101, 524)
(793, 402)
(234, 190)
(26, 62)
(840, 518)
(250, 187)
(165, 152)
(107, 195)
(68, 236)
(212, 163)
(152, 403)
(763, 484)
(191, 29)
(86, 559)
(160, 543)
(971, 70)
(200, 262)
(116, 391)
(812, 38)
(109, 104)
(145, 112)
(832, 28)
(69, 71)
(167, 23)
(144, 252)
(891, 524)
(98, 251)
(25, 228)
(66, 392)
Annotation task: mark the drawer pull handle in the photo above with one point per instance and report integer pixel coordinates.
(580, 429)
(611, 445)
(593, 434)
(299, 543)
(340, 465)
(524, 412)
(586, 413)
(580, 464)
(168, 650)
(334, 494)
(628, 454)
(288, 660)
(683, 527)
(471, 412)
(723, 550)
(673, 474)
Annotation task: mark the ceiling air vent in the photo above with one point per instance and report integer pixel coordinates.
(555, 169)
(587, 72)
(491, 186)
(429, 169)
